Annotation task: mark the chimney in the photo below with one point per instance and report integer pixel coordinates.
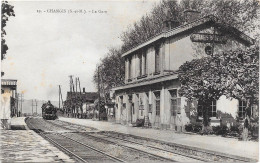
(191, 15)
(83, 90)
(169, 22)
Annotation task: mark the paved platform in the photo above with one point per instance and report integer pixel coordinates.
(229, 146)
(27, 146)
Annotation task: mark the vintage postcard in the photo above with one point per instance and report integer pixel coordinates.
(130, 81)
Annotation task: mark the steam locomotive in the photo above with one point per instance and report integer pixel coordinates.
(49, 112)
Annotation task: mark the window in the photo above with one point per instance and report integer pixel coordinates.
(157, 103)
(212, 112)
(242, 109)
(145, 62)
(141, 108)
(175, 102)
(130, 97)
(200, 109)
(254, 111)
(129, 68)
(140, 65)
(141, 105)
(157, 60)
(213, 109)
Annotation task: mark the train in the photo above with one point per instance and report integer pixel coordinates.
(49, 112)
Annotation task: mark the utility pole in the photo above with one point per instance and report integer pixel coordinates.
(36, 105)
(79, 85)
(59, 96)
(76, 84)
(22, 100)
(98, 96)
(72, 93)
(32, 107)
(22, 103)
(71, 83)
(18, 99)
(80, 98)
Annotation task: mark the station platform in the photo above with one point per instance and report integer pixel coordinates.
(24, 145)
(229, 146)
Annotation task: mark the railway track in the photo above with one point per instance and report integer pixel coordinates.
(75, 149)
(151, 155)
(152, 151)
(188, 152)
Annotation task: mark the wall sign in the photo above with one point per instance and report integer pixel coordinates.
(208, 38)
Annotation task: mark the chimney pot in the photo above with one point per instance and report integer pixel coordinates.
(191, 15)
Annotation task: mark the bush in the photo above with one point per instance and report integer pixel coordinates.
(188, 128)
(253, 129)
(193, 128)
(206, 130)
(197, 128)
(220, 130)
(139, 122)
(103, 116)
(90, 115)
(234, 130)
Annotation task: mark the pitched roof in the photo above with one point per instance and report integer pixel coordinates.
(189, 28)
(10, 83)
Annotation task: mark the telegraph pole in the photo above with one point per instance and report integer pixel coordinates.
(98, 97)
(21, 95)
(59, 96)
(32, 107)
(36, 105)
(18, 97)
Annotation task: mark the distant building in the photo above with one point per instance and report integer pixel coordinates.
(87, 99)
(151, 84)
(8, 100)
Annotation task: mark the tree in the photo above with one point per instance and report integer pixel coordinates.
(200, 79)
(7, 11)
(111, 71)
(233, 74)
(240, 14)
(241, 70)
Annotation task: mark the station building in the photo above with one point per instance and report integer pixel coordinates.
(9, 101)
(151, 84)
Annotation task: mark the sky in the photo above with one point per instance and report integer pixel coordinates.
(45, 47)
